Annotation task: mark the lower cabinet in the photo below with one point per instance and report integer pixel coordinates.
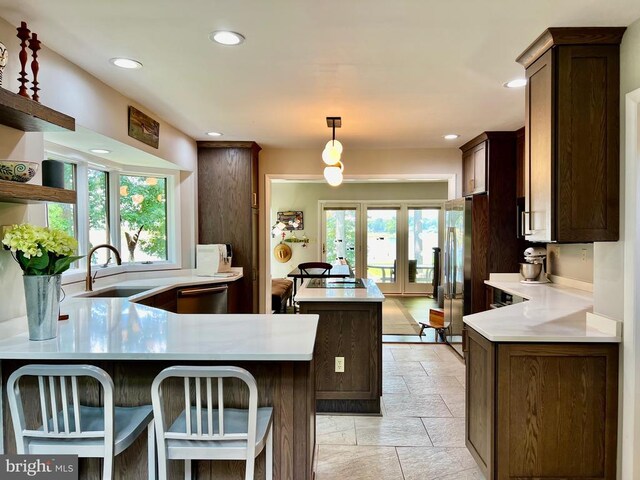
(541, 410)
(347, 356)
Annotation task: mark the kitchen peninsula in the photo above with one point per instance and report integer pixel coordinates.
(348, 350)
(134, 342)
(542, 385)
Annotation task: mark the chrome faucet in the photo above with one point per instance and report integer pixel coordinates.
(89, 281)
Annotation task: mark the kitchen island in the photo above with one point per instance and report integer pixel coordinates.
(542, 385)
(348, 350)
(134, 342)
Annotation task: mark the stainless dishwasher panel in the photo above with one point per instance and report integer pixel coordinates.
(203, 299)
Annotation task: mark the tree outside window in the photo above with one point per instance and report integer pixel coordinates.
(143, 218)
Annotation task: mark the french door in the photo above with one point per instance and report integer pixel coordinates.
(389, 243)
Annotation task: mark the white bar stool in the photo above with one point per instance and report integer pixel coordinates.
(76, 429)
(202, 432)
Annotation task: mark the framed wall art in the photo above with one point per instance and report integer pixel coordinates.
(143, 128)
(292, 220)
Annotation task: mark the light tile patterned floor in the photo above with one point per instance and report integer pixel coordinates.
(421, 434)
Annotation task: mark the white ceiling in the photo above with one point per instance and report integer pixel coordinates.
(401, 73)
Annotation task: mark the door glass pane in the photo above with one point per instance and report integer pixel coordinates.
(423, 237)
(143, 218)
(382, 230)
(98, 215)
(340, 241)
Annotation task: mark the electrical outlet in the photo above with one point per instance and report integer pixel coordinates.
(339, 364)
(584, 254)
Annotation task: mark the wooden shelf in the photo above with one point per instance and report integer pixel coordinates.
(14, 192)
(24, 114)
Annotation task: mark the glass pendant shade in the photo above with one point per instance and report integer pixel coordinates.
(333, 175)
(330, 156)
(334, 144)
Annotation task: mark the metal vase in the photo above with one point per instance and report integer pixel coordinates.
(42, 293)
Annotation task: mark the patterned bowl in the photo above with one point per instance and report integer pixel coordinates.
(17, 171)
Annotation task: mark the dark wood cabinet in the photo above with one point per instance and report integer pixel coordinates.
(228, 208)
(572, 135)
(353, 331)
(542, 410)
(474, 172)
(494, 242)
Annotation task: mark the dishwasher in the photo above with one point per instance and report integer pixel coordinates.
(210, 300)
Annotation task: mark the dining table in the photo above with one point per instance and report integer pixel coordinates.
(337, 271)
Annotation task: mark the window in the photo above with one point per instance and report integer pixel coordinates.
(98, 183)
(62, 216)
(143, 218)
(131, 210)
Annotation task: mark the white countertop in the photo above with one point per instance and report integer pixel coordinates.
(553, 313)
(117, 329)
(371, 293)
(163, 282)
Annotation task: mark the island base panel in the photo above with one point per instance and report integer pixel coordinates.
(287, 386)
(353, 331)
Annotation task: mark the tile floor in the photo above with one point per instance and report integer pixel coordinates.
(421, 433)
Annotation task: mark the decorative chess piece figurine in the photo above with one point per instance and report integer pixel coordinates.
(4, 56)
(23, 35)
(34, 46)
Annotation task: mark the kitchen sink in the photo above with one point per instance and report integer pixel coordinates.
(115, 292)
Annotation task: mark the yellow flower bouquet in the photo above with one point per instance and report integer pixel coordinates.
(41, 250)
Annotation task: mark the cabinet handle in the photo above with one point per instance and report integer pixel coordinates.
(254, 199)
(465, 341)
(200, 291)
(523, 227)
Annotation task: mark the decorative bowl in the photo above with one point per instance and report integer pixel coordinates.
(530, 271)
(17, 171)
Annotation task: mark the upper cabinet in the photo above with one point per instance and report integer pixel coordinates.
(572, 160)
(474, 168)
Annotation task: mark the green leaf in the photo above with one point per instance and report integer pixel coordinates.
(37, 265)
(63, 264)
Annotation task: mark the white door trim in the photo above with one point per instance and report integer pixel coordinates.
(629, 419)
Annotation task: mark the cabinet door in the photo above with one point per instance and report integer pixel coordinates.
(539, 124)
(480, 168)
(480, 400)
(467, 173)
(588, 155)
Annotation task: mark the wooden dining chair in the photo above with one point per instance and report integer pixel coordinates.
(324, 266)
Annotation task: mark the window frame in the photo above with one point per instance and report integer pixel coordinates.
(114, 171)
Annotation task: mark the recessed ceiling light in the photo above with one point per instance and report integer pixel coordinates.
(516, 83)
(451, 136)
(214, 134)
(225, 37)
(100, 150)
(126, 63)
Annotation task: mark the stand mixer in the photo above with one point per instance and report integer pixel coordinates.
(533, 270)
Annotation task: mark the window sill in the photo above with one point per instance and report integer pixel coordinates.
(78, 275)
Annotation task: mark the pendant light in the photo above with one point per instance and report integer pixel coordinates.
(332, 153)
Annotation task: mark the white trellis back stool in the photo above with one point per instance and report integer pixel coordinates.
(73, 428)
(202, 432)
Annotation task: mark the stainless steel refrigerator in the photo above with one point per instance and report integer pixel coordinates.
(457, 268)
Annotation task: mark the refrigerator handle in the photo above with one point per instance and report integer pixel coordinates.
(453, 264)
(446, 263)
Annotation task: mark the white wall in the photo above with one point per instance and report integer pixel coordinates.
(305, 197)
(573, 261)
(96, 106)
